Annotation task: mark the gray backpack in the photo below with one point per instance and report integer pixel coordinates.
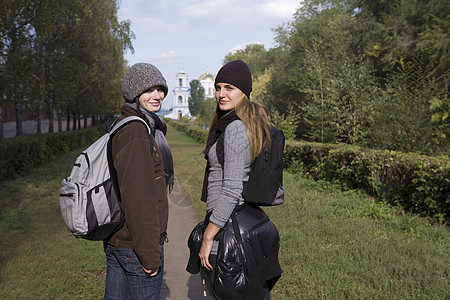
(89, 198)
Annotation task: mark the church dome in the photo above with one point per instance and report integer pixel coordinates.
(207, 76)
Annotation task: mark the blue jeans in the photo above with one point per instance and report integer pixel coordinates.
(125, 278)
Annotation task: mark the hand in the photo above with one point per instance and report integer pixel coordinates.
(149, 272)
(205, 250)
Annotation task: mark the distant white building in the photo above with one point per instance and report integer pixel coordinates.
(207, 82)
(182, 91)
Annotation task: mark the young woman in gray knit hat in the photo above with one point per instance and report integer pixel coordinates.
(135, 253)
(229, 270)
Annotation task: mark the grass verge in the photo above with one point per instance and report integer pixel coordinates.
(334, 245)
(340, 245)
(39, 258)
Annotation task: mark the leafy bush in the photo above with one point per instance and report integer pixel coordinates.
(418, 183)
(22, 153)
(198, 134)
(288, 122)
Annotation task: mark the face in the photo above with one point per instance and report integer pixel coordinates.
(152, 99)
(228, 96)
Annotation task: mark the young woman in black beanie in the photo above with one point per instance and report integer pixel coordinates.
(135, 253)
(229, 269)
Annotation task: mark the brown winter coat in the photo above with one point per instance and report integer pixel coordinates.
(143, 191)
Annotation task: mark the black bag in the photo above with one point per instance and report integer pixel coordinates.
(265, 184)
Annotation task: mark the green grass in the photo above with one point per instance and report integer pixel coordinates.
(39, 258)
(334, 245)
(340, 245)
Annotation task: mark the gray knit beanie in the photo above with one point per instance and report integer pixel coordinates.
(139, 78)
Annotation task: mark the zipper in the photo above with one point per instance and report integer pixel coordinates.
(66, 195)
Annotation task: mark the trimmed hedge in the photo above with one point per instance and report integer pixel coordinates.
(420, 184)
(198, 134)
(22, 153)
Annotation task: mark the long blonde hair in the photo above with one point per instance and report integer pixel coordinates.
(256, 118)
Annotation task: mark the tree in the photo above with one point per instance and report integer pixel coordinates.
(16, 51)
(63, 56)
(401, 120)
(255, 56)
(207, 111)
(309, 71)
(196, 98)
(346, 66)
(440, 120)
(260, 86)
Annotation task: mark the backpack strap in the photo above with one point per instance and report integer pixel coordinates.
(220, 148)
(115, 127)
(235, 224)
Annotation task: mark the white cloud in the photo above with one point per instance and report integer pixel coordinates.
(280, 8)
(205, 9)
(169, 57)
(203, 18)
(242, 46)
(237, 47)
(220, 10)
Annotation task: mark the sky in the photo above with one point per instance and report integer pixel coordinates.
(194, 35)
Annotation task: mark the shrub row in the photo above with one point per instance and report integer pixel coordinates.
(198, 134)
(20, 154)
(420, 184)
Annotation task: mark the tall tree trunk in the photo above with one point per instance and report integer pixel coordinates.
(50, 114)
(74, 125)
(79, 120)
(38, 117)
(41, 89)
(68, 120)
(85, 122)
(18, 111)
(1, 120)
(51, 104)
(60, 120)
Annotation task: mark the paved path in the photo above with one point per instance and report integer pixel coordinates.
(178, 283)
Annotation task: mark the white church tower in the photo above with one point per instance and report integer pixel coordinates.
(181, 95)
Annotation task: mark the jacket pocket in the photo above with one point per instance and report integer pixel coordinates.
(230, 281)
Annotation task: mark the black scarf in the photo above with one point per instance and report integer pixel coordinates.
(225, 118)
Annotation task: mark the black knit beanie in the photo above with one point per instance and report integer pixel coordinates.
(139, 78)
(238, 74)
